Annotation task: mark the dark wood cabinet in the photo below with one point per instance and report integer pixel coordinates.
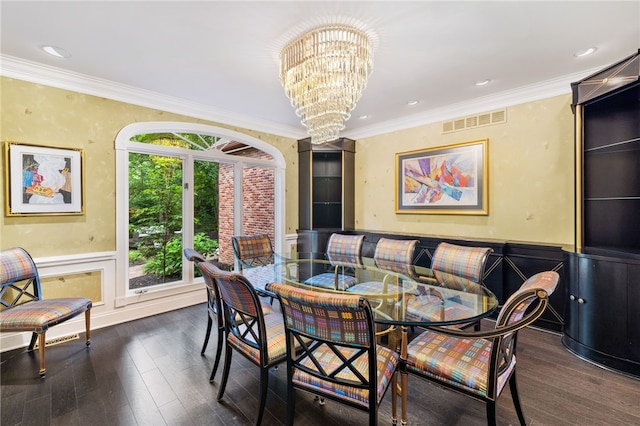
(326, 185)
(607, 125)
(603, 271)
(603, 310)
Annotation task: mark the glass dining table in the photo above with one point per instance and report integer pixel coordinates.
(400, 302)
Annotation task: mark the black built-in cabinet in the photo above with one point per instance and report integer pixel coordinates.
(603, 271)
(326, 185)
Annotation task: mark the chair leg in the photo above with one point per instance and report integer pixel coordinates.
(87, 325)
(516, 398)
(291, 401)
(394, 399)
(216, 362)
(491, 413)
(225, 371)
(207, 334)
(32, 344)
(264, 387)
(373, 416)
(41, 342)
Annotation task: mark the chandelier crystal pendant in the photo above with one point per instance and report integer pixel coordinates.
(324, 73)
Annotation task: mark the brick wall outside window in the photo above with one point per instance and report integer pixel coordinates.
(258, 203)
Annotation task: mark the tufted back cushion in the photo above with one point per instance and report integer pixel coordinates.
(16, 265)
(334, 317)
(18, 272)
(234, 289)
(253, 249)
(466, 262)
(345, 250)
(395, 255)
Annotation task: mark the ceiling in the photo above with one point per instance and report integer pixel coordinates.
(219, 60)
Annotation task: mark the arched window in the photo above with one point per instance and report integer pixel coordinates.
(190, 185)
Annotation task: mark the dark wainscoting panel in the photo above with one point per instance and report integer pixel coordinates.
(508, 266)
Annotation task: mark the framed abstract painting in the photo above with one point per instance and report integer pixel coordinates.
(444, 180)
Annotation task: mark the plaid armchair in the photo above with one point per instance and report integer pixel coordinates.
(480, 363)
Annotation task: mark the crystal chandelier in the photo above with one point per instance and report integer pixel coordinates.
(324, 73)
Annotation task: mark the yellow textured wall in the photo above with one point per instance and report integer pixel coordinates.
(531, 173)
(37, 114)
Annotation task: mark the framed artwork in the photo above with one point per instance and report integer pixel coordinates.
(42, 180)
(443, 180)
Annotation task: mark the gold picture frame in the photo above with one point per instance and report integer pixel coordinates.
(41, 180)
(444, 180)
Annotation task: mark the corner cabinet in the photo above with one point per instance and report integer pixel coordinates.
(326, 193)
(326, 185)
(603, 271)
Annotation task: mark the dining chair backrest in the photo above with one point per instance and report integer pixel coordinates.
(243, 315)
(395, 255)
(345, 250)
(213, 299)
(510, 312)
(338, 356)
(193, 255)
(253, 250)
(466, 262)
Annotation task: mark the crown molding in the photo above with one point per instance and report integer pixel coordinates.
(533, 92)
(55, 77)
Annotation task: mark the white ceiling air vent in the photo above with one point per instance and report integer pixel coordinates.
(484, 119)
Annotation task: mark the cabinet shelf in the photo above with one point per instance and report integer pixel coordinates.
(603, 275)
(326, 185)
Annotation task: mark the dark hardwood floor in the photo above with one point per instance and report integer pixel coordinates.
(150, 372)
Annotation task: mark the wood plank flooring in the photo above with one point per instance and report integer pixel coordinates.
(150, 372)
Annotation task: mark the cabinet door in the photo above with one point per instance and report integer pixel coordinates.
(602, 305)
(572, 308)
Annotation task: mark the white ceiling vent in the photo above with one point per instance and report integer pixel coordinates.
(484, 119)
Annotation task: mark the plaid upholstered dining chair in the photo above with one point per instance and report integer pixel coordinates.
(390, 255)
(344, 253)
(258, 337)
(335, 354)
(480, 363)
(462, 261)
(214, 310)
(24, 309)
(256, 258)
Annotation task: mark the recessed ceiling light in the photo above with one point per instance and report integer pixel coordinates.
(412, 103)
(58, 52)
(585, 52)
(364, 117)
(482, 82)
